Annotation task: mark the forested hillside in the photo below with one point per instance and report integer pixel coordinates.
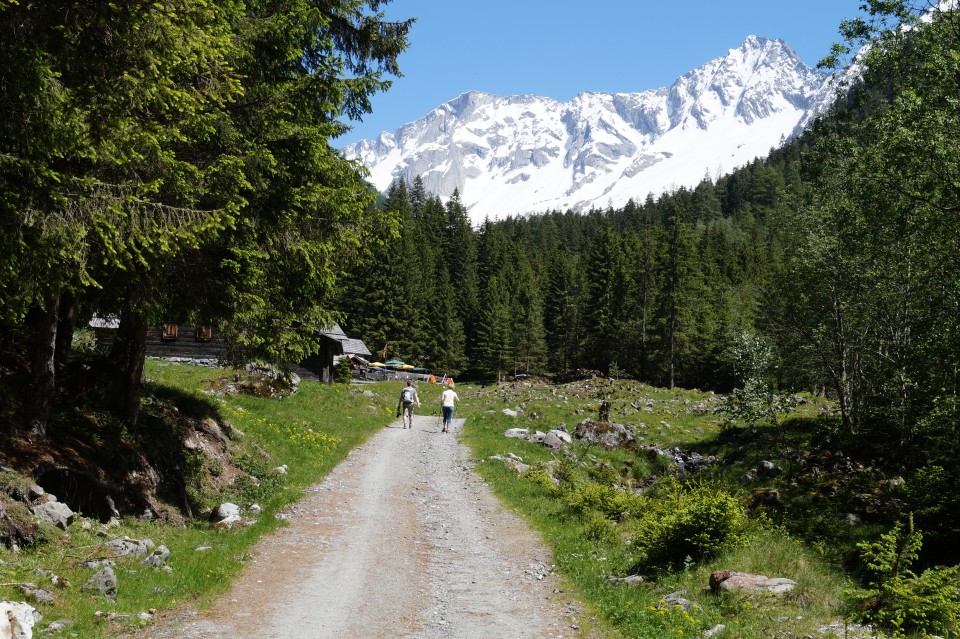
(839, 254)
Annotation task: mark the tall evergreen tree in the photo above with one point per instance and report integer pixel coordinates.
(563, 312)
(606, 292)
(494, 355)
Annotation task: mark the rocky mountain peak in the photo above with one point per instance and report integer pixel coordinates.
(530, 154)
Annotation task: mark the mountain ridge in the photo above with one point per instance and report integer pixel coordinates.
(526, 153)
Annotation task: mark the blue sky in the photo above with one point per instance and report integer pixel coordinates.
(558, 48)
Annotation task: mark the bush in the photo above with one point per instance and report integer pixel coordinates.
(540, 475)
(600, 529)
(899, 600)
(688, 522)
(608, 501)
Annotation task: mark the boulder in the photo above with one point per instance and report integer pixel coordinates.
(732, 580)
(157, 558)
(103, 582)
(226, 515)
(226, 510)
(36, 593)
(517, 433)
(54, 513)
(556, 439)
(607, 434)
(17, 619)
(127, 547)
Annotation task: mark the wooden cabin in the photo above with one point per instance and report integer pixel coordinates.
(172, 340)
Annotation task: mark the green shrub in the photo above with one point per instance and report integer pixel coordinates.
(605, 473)
(899, 600)
(565, 472)
(600, 529)
(540, 475)
(608, 501)
(681, 522)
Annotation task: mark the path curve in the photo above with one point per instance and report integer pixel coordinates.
(402, 539)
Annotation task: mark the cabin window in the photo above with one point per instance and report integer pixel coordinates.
(204, 333)
(170, 331)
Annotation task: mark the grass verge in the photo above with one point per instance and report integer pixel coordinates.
(309, 433)
(604, 512)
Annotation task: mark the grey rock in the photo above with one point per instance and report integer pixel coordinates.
(513, 462)
(769, 469)
(517, 433)
(127, 547)
(607, 434)
(509, 412)
(58, 625)
(157, 558)
(731, 580)
(676, 600)
(629, 580)
(717, 629)
(103, 582)
(54, 513)
(556, 439)
(226, 512)
(39, 595)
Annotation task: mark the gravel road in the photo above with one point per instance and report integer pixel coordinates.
(401, 540)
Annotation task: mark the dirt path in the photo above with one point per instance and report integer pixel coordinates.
(400, 540)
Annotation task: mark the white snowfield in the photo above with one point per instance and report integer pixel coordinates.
(530, 154)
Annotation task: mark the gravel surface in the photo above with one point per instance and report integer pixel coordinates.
(401, 540)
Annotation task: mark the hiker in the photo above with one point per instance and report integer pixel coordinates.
(407, 398)
(448, 399)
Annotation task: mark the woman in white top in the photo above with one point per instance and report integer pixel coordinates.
(448, 399)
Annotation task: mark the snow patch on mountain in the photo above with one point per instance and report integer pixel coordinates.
(531, 154)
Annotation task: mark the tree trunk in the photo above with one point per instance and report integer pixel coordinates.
(129, 353)
(66, 324)
(43, 379)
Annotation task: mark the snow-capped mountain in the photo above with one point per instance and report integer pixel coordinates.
(531, 154)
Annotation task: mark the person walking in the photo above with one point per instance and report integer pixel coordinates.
(448, 400)
(408, 396)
